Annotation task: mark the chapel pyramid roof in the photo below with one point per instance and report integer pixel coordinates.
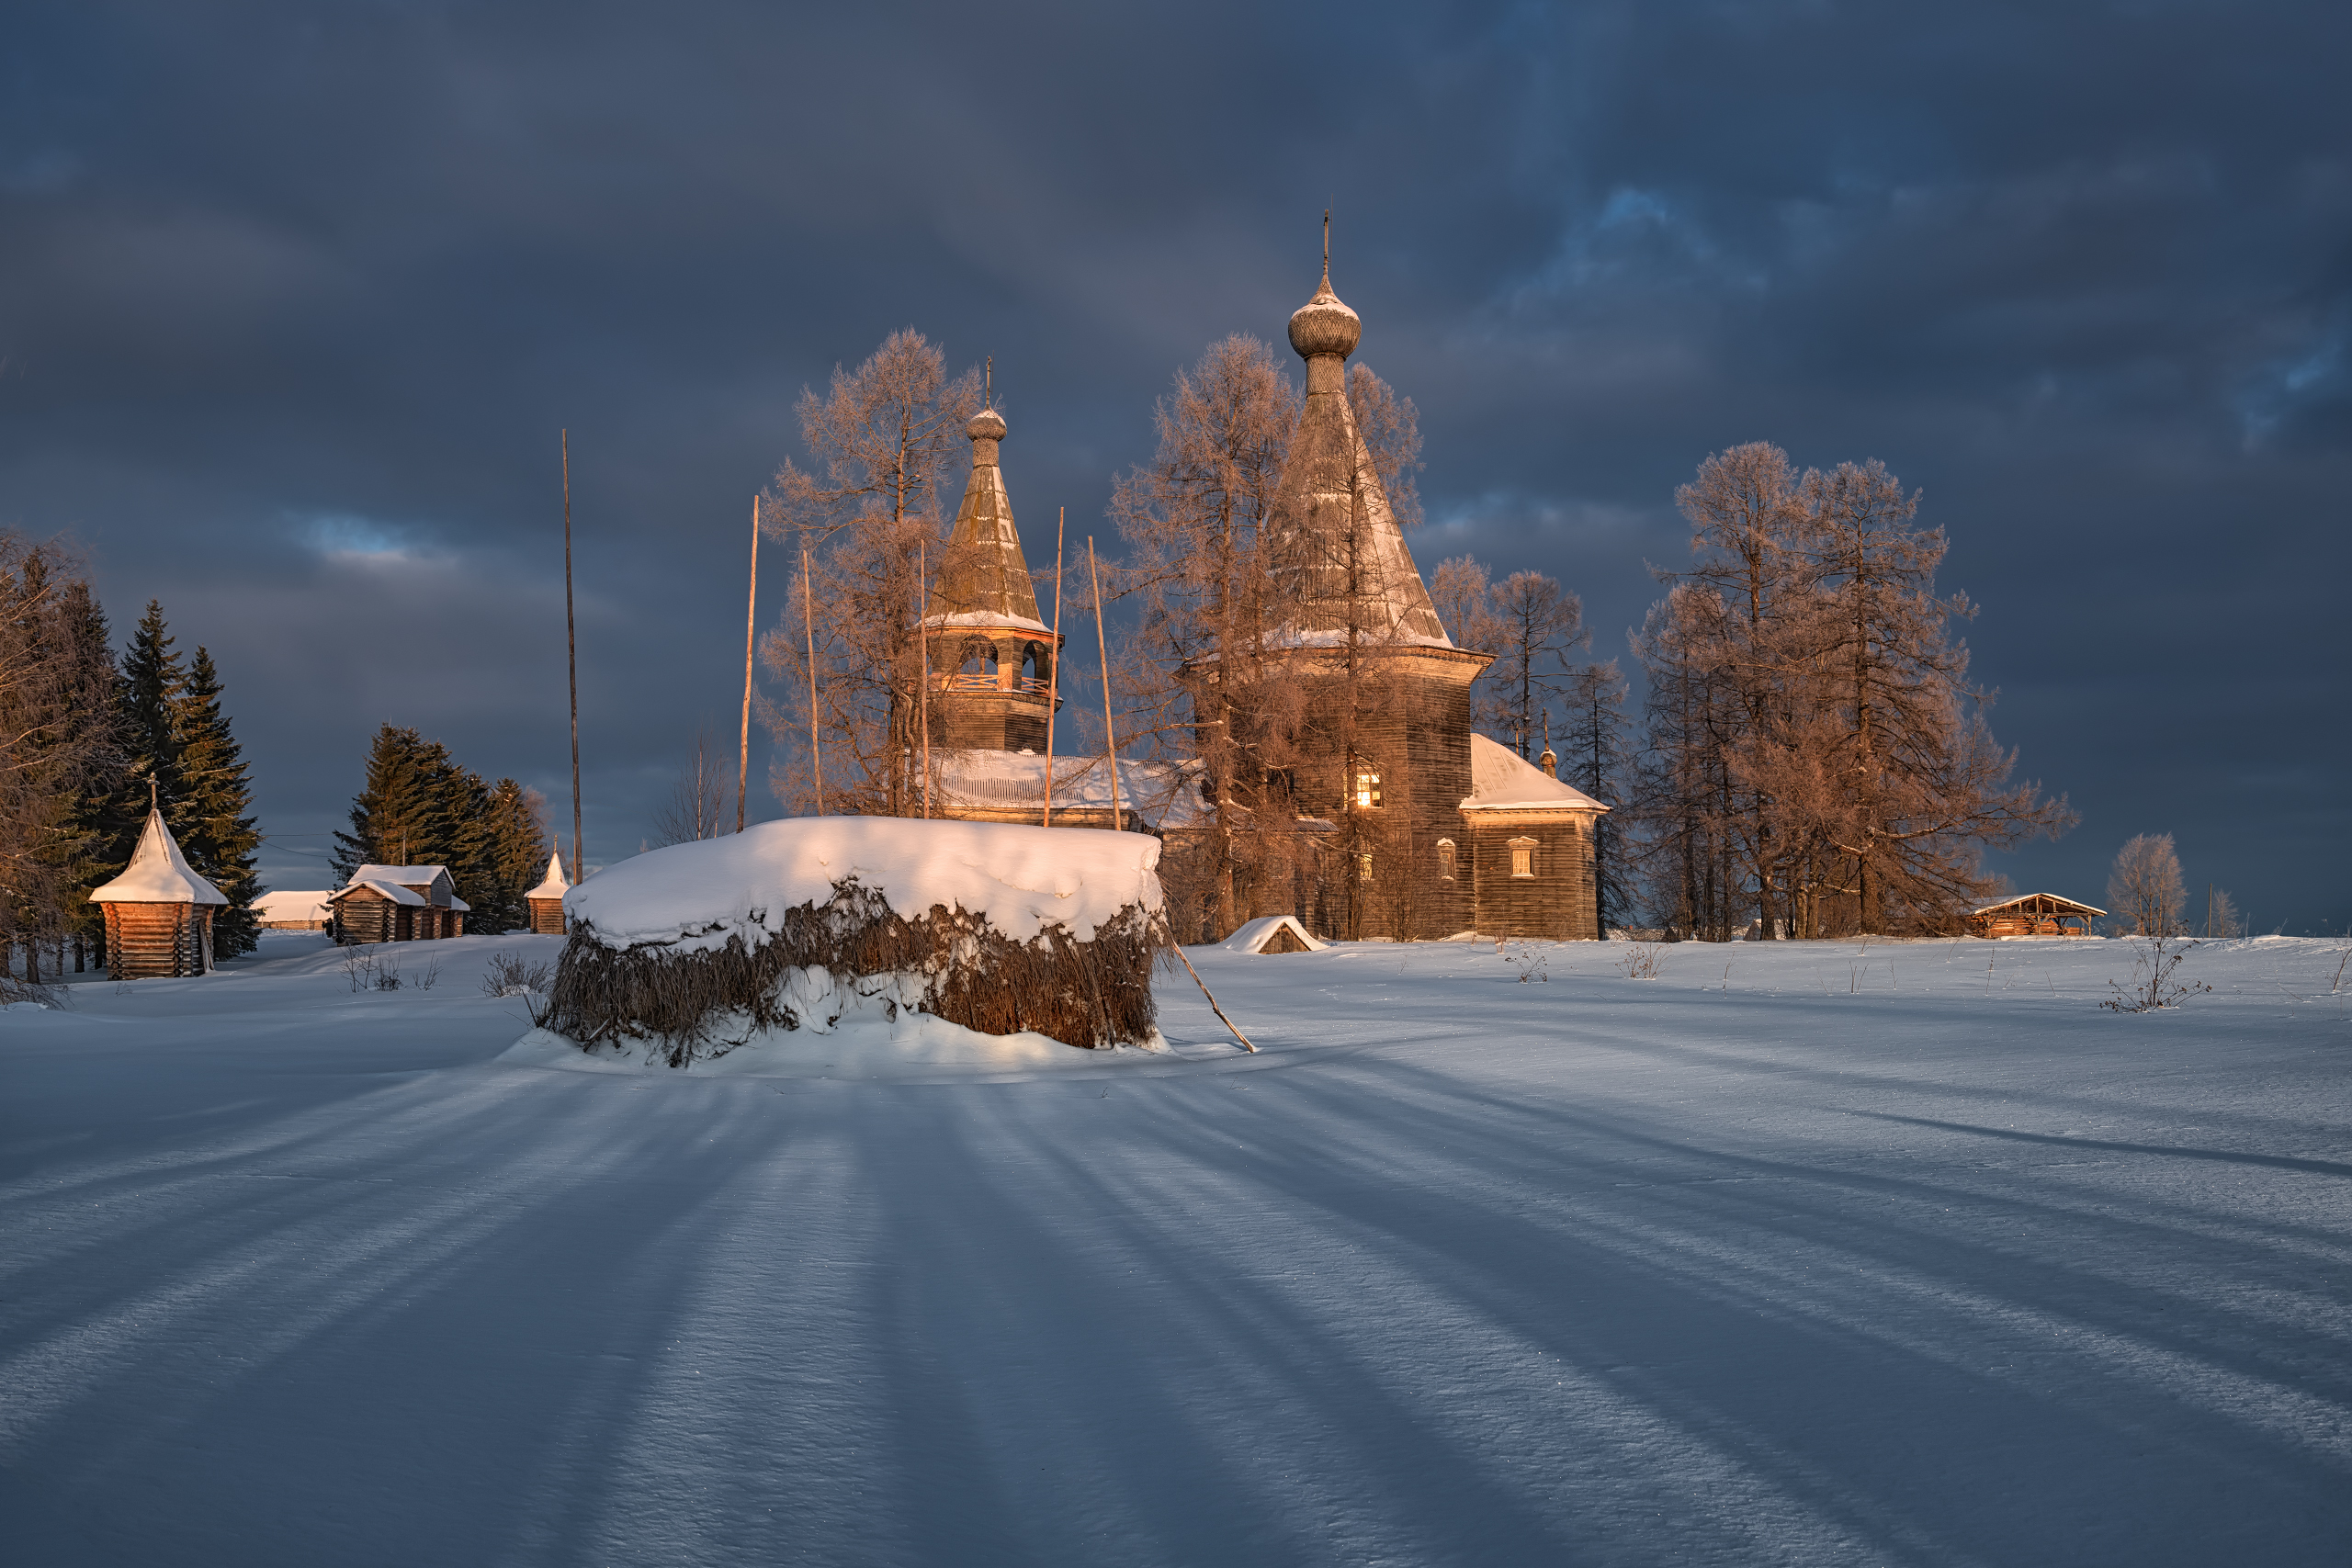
(1338, 557)
(158, 872)
(983, 579)
(554, 885)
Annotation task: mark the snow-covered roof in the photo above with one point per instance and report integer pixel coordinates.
(2040, 904)
(391, 891)
(158, 872)
(989, 620)
(1162, 794)
(293, 905)
(1502, 780)
(1253, 937)
(406, 875)
(554, 884)
(696, 895)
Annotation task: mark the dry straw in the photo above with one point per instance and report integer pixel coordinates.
(1091, 993)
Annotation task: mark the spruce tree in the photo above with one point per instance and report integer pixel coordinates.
(211, 813)
(419, 808)
(153, 683)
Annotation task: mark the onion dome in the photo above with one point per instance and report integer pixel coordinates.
(1323, 326)
(988, 425)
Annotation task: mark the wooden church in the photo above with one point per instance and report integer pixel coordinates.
(158, 912)
(1406, 825)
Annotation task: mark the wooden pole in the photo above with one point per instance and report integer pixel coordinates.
(1110, 740)
(1054, 671)
(751, 622)
(922, 635)
(809, 620)
(571, 661)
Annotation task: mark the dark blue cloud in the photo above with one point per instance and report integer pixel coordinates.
(294, 299)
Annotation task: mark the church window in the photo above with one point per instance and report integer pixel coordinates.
(1445, 859)
(1363, 868)
(1523, 857)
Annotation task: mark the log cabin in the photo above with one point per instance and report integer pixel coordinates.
(158, 912)
(398, 903)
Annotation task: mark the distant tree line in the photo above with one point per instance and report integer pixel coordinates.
(420, 808)
(86, 740)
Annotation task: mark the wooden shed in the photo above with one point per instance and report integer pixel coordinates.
(398, 903)
(547, 899)
(158, 912)
(2033, 914)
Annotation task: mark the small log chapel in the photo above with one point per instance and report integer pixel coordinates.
(158, 912)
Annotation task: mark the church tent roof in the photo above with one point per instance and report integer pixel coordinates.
(554, 885)
(158, 872)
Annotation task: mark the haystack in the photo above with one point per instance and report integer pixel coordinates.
(999, 928)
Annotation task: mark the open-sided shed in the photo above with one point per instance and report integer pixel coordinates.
(158, 912)
(2033, 914)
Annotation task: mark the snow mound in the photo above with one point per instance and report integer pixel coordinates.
(1253, 937)
(694, 896)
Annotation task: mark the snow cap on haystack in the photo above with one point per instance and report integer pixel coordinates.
(1022, 879)
(554, 885)
(158, 874)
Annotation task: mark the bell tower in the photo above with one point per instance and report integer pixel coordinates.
(992, 655)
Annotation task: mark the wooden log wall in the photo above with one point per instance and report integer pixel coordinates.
(547, 917)
(147, 939)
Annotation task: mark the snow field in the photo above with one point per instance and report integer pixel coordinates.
(1798, 1253)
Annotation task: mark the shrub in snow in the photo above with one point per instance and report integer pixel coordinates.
(999, 928)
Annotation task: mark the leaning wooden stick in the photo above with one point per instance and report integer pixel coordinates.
(923, 633)
(1054, 668)
(1204, 985)
(1110, 740)
(750, 626)
(809, 620)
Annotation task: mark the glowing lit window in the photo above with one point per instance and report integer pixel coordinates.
(1445, 859)
(1367, 788)
(1523, 857)
(1363, 868)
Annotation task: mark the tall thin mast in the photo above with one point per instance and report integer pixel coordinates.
(1054, 668)
(751, 621)
(922, 634)
(1110, 740)
(809, 620)
(571, 661)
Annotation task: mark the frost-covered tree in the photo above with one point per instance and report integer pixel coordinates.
(2146, 896)
(58, 748)
(868, 510)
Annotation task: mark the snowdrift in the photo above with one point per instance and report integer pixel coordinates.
(793, 925)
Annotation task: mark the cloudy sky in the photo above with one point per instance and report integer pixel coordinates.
(294, 299)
